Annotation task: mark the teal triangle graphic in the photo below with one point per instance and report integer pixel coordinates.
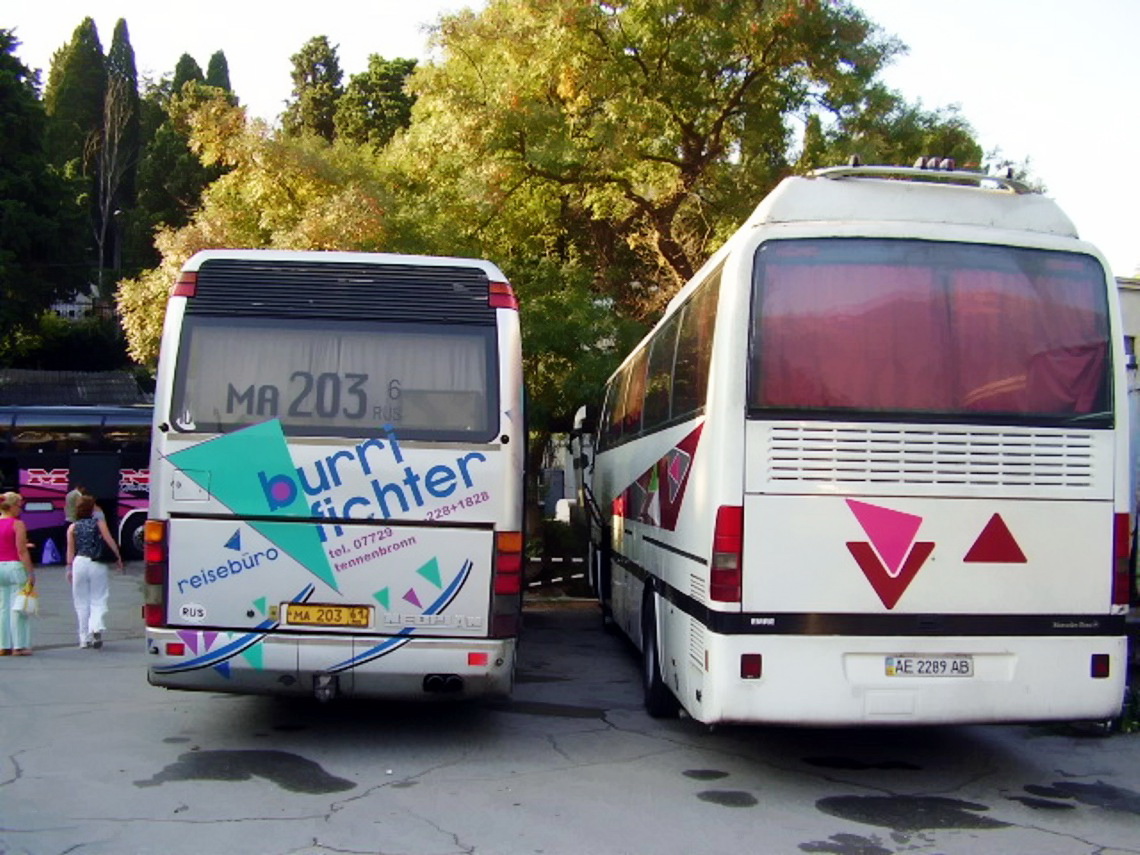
(223, 668)
(259, 604)
(382, 597)
(253, 656)
(251, 473)
(430, 571)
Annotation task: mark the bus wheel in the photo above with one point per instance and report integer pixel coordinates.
(660, 702)
(131, 545)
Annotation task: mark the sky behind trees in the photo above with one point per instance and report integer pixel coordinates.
(1044, 80)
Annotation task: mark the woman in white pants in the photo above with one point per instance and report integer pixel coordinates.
(88, 577)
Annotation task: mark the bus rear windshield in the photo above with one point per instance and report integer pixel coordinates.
(921, 328)
(337, 378)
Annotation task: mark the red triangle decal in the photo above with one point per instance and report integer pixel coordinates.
(995, 545)
(889, 588)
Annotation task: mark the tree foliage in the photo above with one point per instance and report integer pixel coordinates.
(73, 99)
(316, 90)
(375, 104)
(664, 121)
(277, 191)
(41, 233)
(218, 72)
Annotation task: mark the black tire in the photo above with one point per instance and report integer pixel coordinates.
(660, 702)
(131, 543)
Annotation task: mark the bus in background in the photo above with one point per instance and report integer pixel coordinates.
(338, 470)
(871, 467)
(45, 451)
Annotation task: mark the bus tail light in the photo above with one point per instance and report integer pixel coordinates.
(1121, 564)
(154, 578)
(728, 547)
(186, 286)
(501, 296)
(506, 605)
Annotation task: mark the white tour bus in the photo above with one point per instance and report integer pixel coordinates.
(337, 477)
(871, 467)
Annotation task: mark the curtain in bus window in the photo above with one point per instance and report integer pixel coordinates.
(353, 379)
(1025, 345)
(910, 326)
(867, 337)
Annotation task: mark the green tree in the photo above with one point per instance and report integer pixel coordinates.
(375, 104)
(73, 98)
(124, 132)
(218, 72)
(41, 246)
(316, 90)
(185, 71)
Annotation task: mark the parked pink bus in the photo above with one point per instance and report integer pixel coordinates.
(45, 451)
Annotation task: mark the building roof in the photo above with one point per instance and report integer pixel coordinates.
(26, 387)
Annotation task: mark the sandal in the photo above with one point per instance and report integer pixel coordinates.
(5, 652)
(23, 651)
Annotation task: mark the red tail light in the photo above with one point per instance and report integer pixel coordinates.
(506, 604)
(508, 562)
(154, 593)
(186, 286)
(728, 547)
(502, 296)
(1122, 563)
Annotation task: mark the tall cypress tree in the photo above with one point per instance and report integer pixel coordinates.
(218, 72)
(123, 82)
(73, 99)
(186, 70)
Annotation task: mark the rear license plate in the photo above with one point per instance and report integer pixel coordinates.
(930, 666)
(316, 614)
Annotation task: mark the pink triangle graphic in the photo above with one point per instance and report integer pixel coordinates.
(891, 532)
(412, 598)
(191, 639)
(208, 638)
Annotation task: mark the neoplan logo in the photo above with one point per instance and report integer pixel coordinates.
(893, 557)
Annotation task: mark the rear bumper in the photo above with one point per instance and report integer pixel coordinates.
(843, 681)
(392, 667)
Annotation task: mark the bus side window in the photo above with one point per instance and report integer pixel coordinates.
(616, 407)
(694, 349)
(635, 394)
(659, 385)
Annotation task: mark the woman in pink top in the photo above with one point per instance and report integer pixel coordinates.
(15, 571)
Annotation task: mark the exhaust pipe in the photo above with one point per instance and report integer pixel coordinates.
(453, 683)
(443, 684)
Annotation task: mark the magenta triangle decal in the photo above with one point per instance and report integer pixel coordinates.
(890, 532)
(190, 637)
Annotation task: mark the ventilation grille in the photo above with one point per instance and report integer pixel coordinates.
(935, 456)
(697, 643)
(343, 291)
